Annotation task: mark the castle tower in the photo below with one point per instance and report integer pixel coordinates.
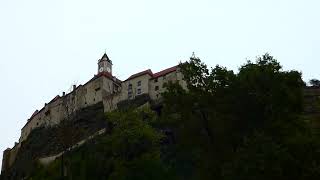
(105, 65)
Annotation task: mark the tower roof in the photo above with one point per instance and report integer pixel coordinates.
(105, 58)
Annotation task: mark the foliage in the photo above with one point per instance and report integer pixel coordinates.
(315, 82)
(136, 146)
(264, 157)
(227, 123)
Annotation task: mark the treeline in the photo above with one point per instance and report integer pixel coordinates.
(244, 125)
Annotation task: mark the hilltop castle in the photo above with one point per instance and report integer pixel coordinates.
(102, 88)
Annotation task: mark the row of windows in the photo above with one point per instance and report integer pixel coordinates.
(130, 85)
(139, 91)
(156, 88)
(156, 79)
(130, 93)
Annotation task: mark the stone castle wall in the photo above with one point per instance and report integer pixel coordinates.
(9, 156)
(100, 89)
(61, 107)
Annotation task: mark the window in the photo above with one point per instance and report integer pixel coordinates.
(97, 89)
(164, 77)
(139, 83)
(156, 88)
(139, 91)
(130, 94)
(47, 113)
(115, 88)
(156, 80)
(130, 91)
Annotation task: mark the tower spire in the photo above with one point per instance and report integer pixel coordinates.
(105, 64)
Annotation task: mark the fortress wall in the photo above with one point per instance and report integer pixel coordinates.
(110, 102)
(9, 156)
(96, 90)
(111, 94)
(5, 160)
(31, 124)
(80, 100)
(53, 113)
(56, 111)
(48, 116)
(93, 92)
(13, 154)
(107, 87)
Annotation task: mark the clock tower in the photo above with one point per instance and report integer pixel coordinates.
(105, 64)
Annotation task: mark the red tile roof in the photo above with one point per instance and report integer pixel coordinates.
(148, 71)
(164, 72)
(155, 75)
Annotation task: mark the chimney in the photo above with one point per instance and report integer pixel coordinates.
(74, 87)
(63, 93)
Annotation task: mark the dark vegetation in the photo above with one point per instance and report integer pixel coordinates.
(315, 82)
(254, 124)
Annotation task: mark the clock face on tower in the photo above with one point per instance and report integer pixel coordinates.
(108, 69)
(101, 69)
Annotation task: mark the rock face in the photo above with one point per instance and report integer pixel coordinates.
(45, 142)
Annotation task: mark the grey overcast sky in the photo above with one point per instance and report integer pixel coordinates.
(45, 46)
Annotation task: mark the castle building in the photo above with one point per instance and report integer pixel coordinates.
(102, 88)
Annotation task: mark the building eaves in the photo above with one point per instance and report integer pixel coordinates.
(148, 71)
(165, 72)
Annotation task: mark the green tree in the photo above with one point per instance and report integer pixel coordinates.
(136, 146)
(217, 119)
(200, 119)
